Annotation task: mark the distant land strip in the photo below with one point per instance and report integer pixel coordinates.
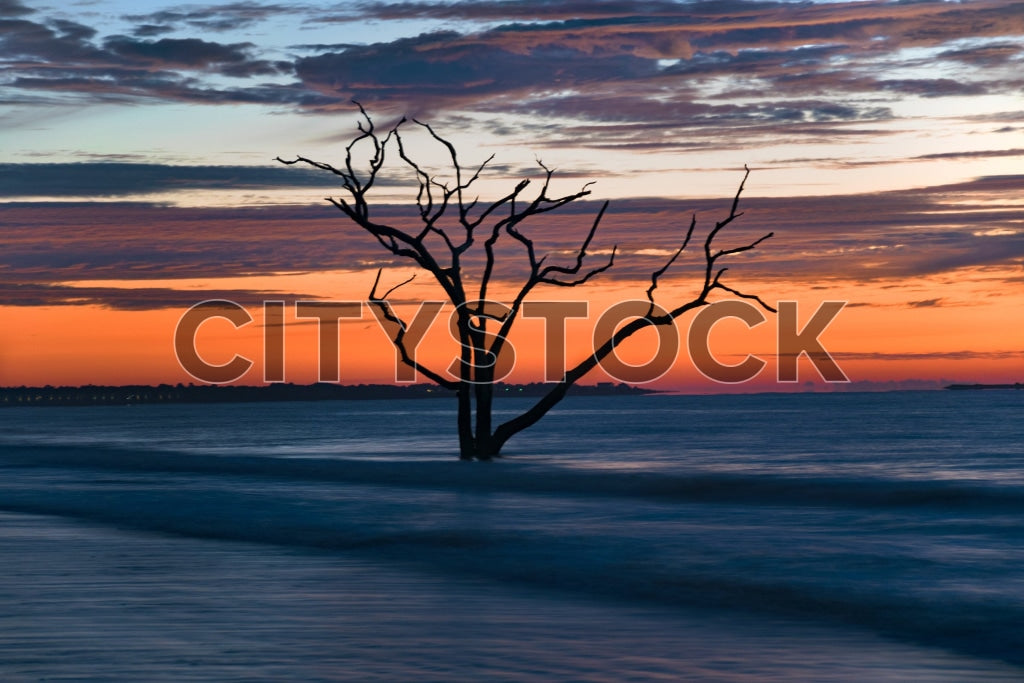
(974, 387)
(12, 397)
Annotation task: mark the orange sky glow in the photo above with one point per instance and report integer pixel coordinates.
(878, 338)
(884, 141)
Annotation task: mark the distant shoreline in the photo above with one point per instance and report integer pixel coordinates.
(978, 387)
(166, 393)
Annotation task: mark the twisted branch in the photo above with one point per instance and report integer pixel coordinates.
(384, 306)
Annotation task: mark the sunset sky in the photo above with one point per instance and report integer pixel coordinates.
(885, 142)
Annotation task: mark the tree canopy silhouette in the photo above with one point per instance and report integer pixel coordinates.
(442, 247)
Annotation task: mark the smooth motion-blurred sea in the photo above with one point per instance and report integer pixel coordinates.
(776, 537)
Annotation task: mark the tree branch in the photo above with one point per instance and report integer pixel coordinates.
(545, 274)
(661, 271)
(398, 340)
(711, 282)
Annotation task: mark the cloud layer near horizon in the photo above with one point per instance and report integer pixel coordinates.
(885, 236)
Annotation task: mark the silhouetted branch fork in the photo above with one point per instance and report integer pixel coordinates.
(377, 161)
(459, 185)
(425, 182)
(391, 238)
(572, 271)
(745, 247)
(393, 289)
(494, 206)
(581, 254)
(398, 340)
(717, 284)
(316, 164)
(668, 264)
(742, 295)
(733, 215)
(348, 181)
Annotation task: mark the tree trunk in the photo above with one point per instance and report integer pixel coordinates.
(467, 444)
(484, 390)
(477, 442)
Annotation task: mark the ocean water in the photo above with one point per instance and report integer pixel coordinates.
(776, 537)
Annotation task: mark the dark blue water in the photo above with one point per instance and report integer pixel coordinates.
(768, 537)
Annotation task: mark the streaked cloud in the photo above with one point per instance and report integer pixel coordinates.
(66, 58)
(55, 243)
(226, 17)
(191, 53)
(932, 231)
(107, 179)
(957, 355)
(131, 298)
(14, 8)
(733, 70)
(765, 49)
(974, 154)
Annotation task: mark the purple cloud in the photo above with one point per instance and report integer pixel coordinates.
(733, 71)
(905, 234)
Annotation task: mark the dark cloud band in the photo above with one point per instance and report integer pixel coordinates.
(107, 179)
(904, 235)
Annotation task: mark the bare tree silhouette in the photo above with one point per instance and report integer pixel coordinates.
(441, 252)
